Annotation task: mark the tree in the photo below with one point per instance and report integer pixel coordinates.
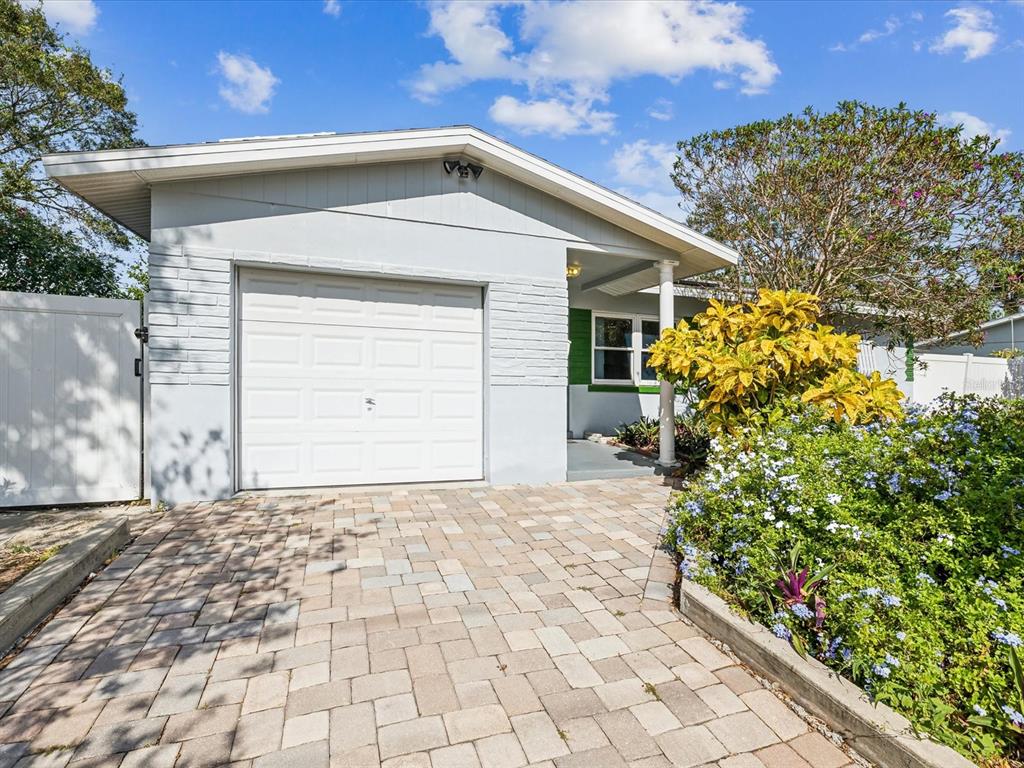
(881, 213)
(36, 257)
(52, 99)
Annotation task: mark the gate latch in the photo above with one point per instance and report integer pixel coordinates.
(142, 334)
(138, 366)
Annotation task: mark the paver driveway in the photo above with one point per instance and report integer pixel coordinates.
(498, 626)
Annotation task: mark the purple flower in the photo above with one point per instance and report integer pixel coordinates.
(1015, 717)
(1011, 639)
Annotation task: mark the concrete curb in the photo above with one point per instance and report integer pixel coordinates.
(875, 731)
(32, 597)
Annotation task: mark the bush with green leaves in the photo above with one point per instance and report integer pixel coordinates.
(692, 438)
(891, 552)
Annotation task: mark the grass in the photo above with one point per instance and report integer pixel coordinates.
(16, 560)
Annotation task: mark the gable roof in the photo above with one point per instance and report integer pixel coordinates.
(118, 181)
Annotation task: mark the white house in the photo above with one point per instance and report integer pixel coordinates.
(406, 306)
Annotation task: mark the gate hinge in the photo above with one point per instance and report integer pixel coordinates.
(142, 334)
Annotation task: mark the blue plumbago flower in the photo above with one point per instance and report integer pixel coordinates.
(781, 630)
(844, 597)
(918, 481)
(891, 660)
(881, 670)
(1007, 638)
(980, 710)
(894, 483)
(693, 507)
(945, 538)
(925, 577)
(871, 592)
(830, 652)
(742, 566)
(1000, 602)
(833, 498)
(738, 545)
(901, 636)
(943, 496)
(801, 611)
(892, 601)
(870, 479)
(1015, 717)
(1008, 551)
(846, 653)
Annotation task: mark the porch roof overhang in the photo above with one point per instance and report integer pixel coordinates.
(118, 182)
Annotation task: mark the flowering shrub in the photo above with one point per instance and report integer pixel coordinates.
(891, 552)
(752, 364)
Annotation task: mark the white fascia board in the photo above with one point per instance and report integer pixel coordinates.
(135, 168)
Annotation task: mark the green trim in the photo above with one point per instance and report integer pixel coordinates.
(579, 345)
(644, 390)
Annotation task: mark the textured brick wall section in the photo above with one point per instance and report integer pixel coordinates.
(189, 307)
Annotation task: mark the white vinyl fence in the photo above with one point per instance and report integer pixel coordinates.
(70, 406)
(962, 375)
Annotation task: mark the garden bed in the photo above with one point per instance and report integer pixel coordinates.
(891, 554)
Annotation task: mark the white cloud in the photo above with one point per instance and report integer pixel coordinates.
(550, 116)
(644, 168)
(891, 25)
(973, 30)
(973, 125)
(660, 110)
(567, 53)
(246, 86)
(76, 16)
(643, 163)
(332, 7)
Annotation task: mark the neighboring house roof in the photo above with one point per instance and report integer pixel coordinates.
(983, 327)
(118, 181)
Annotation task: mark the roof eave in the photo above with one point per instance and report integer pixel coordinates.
(125, 175)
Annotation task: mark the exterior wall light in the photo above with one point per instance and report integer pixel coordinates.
(573, 270)
(462, 169)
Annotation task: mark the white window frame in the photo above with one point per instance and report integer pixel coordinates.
(636, 348)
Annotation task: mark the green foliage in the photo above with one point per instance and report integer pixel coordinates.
(751, 364)
(871, 209)
(53, 99)
(692, 438)
(38, 258)
(913, 530)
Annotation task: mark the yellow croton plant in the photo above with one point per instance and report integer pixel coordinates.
(749, 363)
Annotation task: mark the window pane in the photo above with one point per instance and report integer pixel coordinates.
(650, 331)
(613, 332)
(647, 374)
(613, 364)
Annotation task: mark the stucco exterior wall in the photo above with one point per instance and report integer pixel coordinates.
(419, 229)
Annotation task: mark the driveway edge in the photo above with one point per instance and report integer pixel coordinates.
(875, 731)
(30, 599)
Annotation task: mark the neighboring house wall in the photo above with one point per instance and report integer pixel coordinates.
(1006, 335)
(400, 219)
(603, 408)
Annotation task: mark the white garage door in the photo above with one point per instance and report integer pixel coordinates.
(348, 380)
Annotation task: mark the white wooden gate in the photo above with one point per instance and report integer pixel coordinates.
(70, 406)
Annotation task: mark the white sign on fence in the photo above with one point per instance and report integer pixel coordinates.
(70, 405)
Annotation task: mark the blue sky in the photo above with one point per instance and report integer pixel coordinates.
(603, 89)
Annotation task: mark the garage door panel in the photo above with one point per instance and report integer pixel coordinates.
(360, 302)
(356, 381)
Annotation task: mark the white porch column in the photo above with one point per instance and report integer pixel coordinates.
(666, 403)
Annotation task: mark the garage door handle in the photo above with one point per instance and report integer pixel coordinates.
(370, 401)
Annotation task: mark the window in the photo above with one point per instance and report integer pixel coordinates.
(620, 349)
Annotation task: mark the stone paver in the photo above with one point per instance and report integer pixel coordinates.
(409, 628)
